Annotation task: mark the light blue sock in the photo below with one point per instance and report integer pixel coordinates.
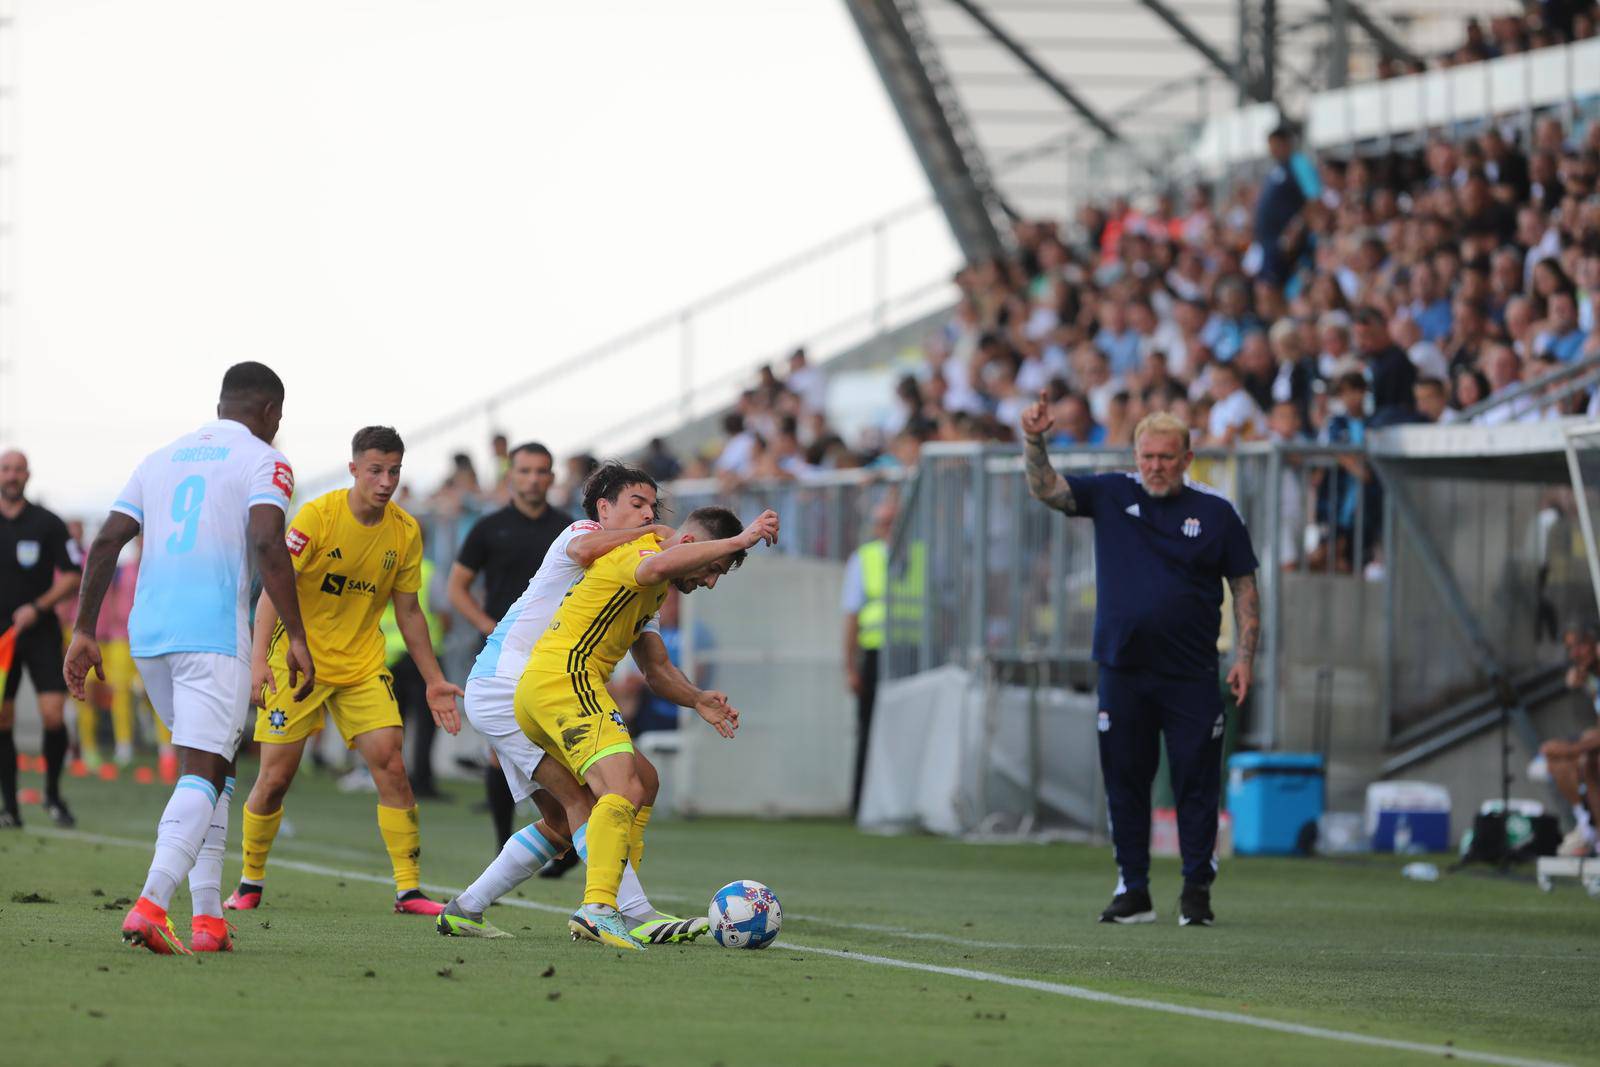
(580, 841)
(524, 853)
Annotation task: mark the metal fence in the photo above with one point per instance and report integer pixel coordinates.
(824, 516)
(1355, 621)
(1006, 580)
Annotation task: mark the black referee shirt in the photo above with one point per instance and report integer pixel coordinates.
(506, 547)
(33, 546)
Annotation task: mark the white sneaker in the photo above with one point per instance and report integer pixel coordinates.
(1579, 843)
(358, 781)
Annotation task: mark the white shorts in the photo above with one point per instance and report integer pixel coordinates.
(202, 697)
(489, 710)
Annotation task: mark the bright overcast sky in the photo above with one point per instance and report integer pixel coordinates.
(400, 206)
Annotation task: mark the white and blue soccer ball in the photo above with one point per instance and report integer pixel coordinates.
(745, 914)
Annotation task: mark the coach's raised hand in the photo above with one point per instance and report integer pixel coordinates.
(1036, 419)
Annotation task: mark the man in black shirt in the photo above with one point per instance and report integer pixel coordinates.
(1389, 369)
(506, 547)
(39, 568)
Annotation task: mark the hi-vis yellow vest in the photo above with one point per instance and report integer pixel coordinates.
(394, 644)
(874, 556)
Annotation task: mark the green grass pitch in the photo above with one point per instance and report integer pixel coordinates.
(894, 951)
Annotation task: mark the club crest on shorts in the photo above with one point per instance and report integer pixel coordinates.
(277, 720)
(1104, 723)
(1191, 527)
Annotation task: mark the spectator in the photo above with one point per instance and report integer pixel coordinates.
(1519, 326)
(1295, 369)
(1471, 388)
(1285, 425)
(1504, 373)
(1574, 763)
(1432, 399)
(659, 462)
(1430, 307)
(1285, 189)
(738, 449)
(1224, 332)
(1117, 340)
(1390, 368)
(568, 492)
(500, 456)
(1336, 356)
(1560, 336)
(1075, 424)
(1347, 496)
(1235, 416)
(1424, 354)
(1469, 329)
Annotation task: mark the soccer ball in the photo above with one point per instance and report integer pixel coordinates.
(745, 914)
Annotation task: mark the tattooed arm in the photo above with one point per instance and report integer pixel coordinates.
(1247, 620)
(1044, 481)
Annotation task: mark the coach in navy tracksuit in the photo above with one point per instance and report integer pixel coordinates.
(1163, 548)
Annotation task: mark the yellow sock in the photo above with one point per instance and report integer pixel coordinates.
(259, 832)
(403, 840)
(636, 837)
(122, 716)
(610, 825)
(88, 729)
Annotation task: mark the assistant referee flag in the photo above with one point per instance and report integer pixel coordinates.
(8, 650)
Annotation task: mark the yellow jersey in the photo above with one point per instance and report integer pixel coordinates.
(345, 573)
(602, 613)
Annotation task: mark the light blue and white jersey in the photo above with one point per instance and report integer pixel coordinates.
(506, 653)
(193, 500)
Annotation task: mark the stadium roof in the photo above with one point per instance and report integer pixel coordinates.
(1017, 107)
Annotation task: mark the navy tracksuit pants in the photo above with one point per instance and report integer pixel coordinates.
(1138, 708)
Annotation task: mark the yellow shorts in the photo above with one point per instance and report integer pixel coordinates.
(570, 716)
(355, 709)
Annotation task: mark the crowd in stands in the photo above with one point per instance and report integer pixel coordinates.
(1324, 300)
(1329, 298)
(1542, 23)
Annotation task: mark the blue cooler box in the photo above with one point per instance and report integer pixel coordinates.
(1272, 796)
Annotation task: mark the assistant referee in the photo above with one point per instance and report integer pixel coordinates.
(1164, 545)
(39, 568)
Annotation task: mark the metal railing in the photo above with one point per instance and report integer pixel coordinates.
(843, 290)
(823, 516)
(1008, 579)
(1398, 605)
(1540, 395)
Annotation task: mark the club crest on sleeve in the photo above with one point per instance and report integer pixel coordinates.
(1191, 527)
(296, 541)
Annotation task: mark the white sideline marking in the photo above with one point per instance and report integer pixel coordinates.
(1055, 988)
(1080, 993)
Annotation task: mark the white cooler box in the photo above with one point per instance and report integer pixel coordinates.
(1408, 817)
